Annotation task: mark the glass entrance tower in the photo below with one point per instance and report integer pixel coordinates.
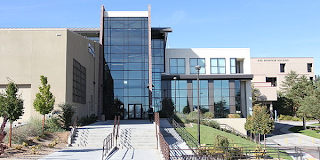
(126, 55)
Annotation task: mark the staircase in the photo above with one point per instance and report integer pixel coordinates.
(138, 138)
(90, 136)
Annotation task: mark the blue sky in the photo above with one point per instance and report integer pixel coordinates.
(271, 28)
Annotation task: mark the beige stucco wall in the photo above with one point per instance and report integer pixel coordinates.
(236, 123)
(26, 54)
(77, 48)
(270, 67)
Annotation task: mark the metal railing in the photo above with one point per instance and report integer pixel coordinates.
(110, 142)
(231, 129)
(72, 132)
(164, 147)
(184, 134)
(222, 153)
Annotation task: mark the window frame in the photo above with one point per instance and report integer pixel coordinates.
(218, 66)
(177, 66)
(203, 68)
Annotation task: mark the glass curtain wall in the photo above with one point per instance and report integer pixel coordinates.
(126, 54)
(225, 94)
(158, 48)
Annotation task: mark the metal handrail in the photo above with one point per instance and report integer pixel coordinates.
(72, 132)
(110, 142)
(164, 147)
(227, 127)
(185, 135)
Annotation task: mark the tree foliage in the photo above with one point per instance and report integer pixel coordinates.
(65, 114)
(44, 100)
(13, 104)
(11, 107)
(260, 121)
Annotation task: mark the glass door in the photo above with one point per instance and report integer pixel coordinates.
(138, 111)
(134, 111)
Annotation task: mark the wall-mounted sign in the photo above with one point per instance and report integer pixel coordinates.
(273, 60)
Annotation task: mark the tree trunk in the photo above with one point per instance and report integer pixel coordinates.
(43, 122)
(304, 123)
(259, 138)
(10, 133)
(2, 133)
(264, 139)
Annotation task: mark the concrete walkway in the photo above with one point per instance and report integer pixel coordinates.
(282, 137)
(95, 153)
(173, 139)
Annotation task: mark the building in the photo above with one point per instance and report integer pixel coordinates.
(143, 70)
(225, 79)
(70, 61)
(124, 68)
(270, 72)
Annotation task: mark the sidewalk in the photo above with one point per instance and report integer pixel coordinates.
(282, 137)
(95, 153)
(173, 138)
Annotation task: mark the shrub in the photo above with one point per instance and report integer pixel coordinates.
(186, 110)
(222, 142)
(65, 114)
(208, 115)
(234, 116)
(213, 124)
(87, 120)
(53, 125)
(18, 147)
(296, 119)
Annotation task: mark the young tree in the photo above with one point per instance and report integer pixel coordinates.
(13, 106)
(65, 114)
(260, 121)
(5, 119)
(44, 99)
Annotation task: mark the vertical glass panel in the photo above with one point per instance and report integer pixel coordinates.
(217, 92)
(138, 111)
(233, 70)
(201, 62)
(214, 62)
(193, 62)
(225, 92)
(233, 62)
(181, 62)
(181, 70)
(225, 84)
(222, 70)
(214, 70)
(131, 110)
(217, 83)
(221, 62)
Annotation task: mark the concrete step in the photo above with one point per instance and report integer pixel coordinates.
(136, 154)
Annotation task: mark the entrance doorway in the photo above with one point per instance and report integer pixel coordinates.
(135, 111)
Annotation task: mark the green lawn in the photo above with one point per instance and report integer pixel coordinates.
(308, 132)
(316, 124)
(208, 136)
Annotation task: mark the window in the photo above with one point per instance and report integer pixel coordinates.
(197, 62)
(218, 66)
(309, 67)
(177, 66)
(282, 67)
(273, 81)
(233, 63)
(79, 82)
